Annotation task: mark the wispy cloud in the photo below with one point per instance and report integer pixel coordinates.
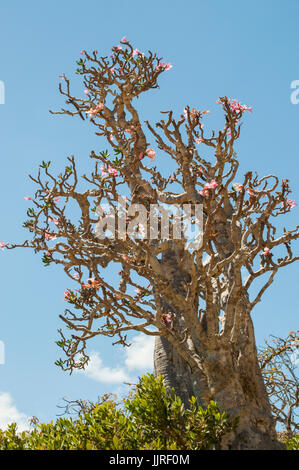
(139, 356)
(10, 414)
(97, 371)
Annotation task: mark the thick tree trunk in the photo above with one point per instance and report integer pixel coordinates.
(230, 376)
(227, 369)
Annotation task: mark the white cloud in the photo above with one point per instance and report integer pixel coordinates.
(9, 413)
(140, 354)
(97, 371)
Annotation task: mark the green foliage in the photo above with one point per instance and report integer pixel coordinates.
(150, 419)
(291, 442)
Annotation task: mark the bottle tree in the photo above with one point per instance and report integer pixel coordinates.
(195, 301)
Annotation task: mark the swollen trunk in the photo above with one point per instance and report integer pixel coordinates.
(230, 376)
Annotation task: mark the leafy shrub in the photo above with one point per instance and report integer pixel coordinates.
(149, 419)
(291, 442)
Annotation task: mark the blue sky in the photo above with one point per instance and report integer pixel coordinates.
(247, 51)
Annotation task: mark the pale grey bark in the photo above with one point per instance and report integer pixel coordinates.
(233, 379)
(229, 374)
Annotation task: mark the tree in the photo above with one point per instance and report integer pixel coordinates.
(279, 361)
(193, 298)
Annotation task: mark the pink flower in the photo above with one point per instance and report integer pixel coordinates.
(93, 111)
(76, 276)
(123, 39)
(92, 283)
(163, 66)
(204, 192)
(136, 51)
(86, 92)
(28, 198)
(112, 171)
(250, 191)
(56, 199)
(103, 170)
(211, 185)
(82, 52)
(151, 154)
(49, 237)
(266, 251)
(291, 203)
(237, 107)
(62, 77)
(3, 245)
(166, 318)
(199, 140)
(238, 186)
(168, 66)
(141, 156)
(138, 291)
(67, 294)
(112, 70)
(53, 219)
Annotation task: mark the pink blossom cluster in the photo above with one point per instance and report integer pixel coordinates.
(166, 318)
(238, 107)
(150, 153)
(67, 294)
(3, 245)
(136, 51)
(238, 186)
(266, 251)
(110, 170)
(288, 204)
(92, 283)
(48, 236)
(211, 185)
(95, 110)
(54, 220)
(163, 66)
